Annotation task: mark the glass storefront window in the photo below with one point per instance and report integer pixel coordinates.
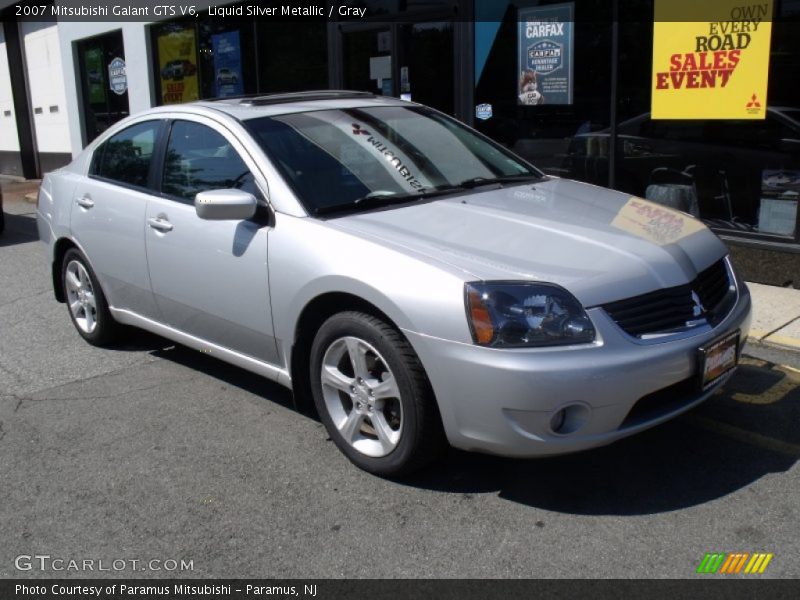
(512, 105)
(208, 57)
(292, 59)
(741, 177)
(427, 81)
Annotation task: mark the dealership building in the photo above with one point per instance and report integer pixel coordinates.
(596, 90)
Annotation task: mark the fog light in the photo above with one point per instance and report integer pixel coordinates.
(569, 419)
(558, 420)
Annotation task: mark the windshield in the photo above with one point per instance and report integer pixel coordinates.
(335, 157)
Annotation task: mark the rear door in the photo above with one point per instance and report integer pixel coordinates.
(108, 215)
(209, 278)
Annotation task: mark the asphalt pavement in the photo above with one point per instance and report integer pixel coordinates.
(151, 451)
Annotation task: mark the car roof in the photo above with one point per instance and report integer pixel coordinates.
(250, 107)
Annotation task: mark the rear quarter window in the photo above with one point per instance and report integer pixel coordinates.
(126, 156)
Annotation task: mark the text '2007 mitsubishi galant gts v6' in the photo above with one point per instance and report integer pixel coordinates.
(413, 281)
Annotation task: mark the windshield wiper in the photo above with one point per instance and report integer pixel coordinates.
(379, 198)
(478, 181)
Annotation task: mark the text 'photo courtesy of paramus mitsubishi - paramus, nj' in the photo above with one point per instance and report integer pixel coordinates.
(419, 283)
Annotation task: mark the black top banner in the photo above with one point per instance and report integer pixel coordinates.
(305, 10)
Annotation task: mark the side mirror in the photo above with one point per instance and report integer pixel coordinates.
(219, 205)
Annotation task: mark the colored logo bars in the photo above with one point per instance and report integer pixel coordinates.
(735, 562)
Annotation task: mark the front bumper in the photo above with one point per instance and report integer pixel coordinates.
(502, 401)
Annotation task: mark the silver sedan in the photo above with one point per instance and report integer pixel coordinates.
(412, 281)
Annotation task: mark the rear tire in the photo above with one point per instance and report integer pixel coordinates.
(373, 396)
(86, 303)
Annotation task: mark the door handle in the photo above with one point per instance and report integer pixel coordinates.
(85, 201)
(160, 224)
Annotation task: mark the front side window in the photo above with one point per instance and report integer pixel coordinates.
(335, 157)
(200, 159)
(126, 156)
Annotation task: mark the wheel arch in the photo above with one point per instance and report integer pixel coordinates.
(60, 248)
(311, 317)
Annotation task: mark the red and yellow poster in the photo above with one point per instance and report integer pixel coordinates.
(177, 59)
(711, 59)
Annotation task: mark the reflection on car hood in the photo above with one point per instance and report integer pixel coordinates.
(600, 244)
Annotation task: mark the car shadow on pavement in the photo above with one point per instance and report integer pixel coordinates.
(20, 229)
(732, 440)
(213, 367)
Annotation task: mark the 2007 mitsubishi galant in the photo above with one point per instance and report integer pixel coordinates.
(421, 283)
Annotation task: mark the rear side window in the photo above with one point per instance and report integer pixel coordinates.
(126, 156)
(200, 159)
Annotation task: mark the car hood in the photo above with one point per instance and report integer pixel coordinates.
(599, 244)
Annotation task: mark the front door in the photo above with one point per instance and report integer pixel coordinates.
(209, 278)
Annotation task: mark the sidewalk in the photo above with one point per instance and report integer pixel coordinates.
(776, 311)
(776, 316)
(14, 188)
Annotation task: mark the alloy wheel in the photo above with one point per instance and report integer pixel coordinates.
(362, 396)
(80, 296)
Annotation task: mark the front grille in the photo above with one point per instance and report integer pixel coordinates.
(672, 308)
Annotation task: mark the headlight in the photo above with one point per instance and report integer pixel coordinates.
(509, 314)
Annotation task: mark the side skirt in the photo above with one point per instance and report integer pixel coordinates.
(243, 361)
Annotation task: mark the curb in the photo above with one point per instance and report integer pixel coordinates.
(782, 341)
(776, 343)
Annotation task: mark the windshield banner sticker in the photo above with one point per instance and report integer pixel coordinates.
(711, 59)
(545, 46)
(359, 157)
(403, 170)
(655, 223)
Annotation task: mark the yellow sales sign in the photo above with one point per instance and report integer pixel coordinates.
(177, 60)
(711, 59)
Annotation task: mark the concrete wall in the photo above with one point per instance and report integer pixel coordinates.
(46, 86)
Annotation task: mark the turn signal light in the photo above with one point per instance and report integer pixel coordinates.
(480, 318)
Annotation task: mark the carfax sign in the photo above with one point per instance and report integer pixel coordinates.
(711, 59)
(545, 54)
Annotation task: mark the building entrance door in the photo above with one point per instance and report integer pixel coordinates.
(409, 61)
(104, 83)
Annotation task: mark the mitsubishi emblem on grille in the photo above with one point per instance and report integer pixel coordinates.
(698, 310)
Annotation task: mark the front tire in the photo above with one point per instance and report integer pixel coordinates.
(372, 395)
(86, 303)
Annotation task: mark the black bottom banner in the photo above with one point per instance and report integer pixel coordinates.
(379, 589)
